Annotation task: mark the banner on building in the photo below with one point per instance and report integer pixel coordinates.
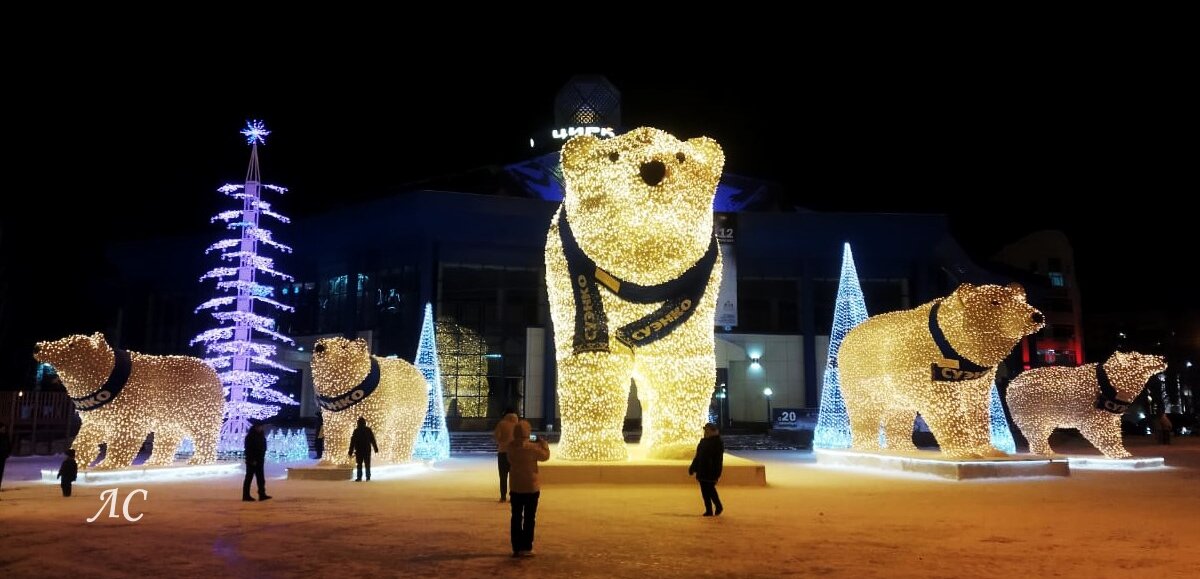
(725, 228)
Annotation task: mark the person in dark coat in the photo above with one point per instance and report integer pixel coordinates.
(503, 436)
(1165, 428)
(361, 443)
(320, 436)
(67, 472)
(5, 449)
(256, 457)
(710, 457)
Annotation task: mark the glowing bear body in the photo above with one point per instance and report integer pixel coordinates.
(394, 408)
(1043, 399)
(640, 207)
(174, 397)
(887, 369)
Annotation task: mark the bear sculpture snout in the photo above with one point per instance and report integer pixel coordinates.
(653, 172)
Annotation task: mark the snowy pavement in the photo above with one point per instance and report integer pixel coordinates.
(445, 521)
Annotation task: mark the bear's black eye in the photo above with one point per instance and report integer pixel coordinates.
(614, 156)
(995, 302)
(680, 157)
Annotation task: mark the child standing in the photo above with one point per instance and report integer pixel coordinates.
(67, 472)
(710, 457)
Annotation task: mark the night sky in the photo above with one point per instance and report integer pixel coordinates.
(1004, 150)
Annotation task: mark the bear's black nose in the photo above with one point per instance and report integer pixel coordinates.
(653, 172)
(1038, 317)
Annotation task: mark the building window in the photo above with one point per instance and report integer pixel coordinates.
(483, 314)
(768, 305)
(1056, 279)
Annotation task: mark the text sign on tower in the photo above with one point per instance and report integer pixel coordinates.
(724, 227)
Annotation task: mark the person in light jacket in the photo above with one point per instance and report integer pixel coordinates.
(523, 456)
(504, 435)
(710, 457)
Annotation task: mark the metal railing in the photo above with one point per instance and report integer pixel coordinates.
(38, 422)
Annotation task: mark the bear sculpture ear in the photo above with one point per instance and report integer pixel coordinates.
(98, 338)
(1017, 289)
(361, 343)
(964, 289)
(709, 153)
(577, 151)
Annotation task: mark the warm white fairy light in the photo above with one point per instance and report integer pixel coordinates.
(175, 397)
(640, 207)
(892, 368)
(1043, 399)
(394, 401)
(462, 354)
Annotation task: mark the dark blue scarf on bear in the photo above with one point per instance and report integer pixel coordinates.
(953, 367)
(354, 395)
(680, 296)
(1107, 399)
(122, 367)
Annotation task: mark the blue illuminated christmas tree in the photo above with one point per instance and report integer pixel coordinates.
(241, 345)
(833, 425)
(1002, 437)
(433, 442)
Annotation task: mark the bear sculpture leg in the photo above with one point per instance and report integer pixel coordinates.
(1036, 431)
(166, 442)
(898, 429)
(87, 443)
(675, 394)
(1104, 432)
(121, 449)
(593, 396)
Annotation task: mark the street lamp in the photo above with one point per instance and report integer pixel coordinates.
(767, 392)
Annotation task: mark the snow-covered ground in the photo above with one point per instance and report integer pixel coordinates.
(446, 522)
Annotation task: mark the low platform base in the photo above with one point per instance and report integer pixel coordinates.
(934, 464)
(149, 473)
(1104, 463)
(344, 473)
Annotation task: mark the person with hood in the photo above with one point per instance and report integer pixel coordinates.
(361, 443)
(523, 456)
(710, 457)
(256, 458)
(504, 435)
(68, 471)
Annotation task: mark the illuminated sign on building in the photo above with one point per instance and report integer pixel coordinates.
(569, 132)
